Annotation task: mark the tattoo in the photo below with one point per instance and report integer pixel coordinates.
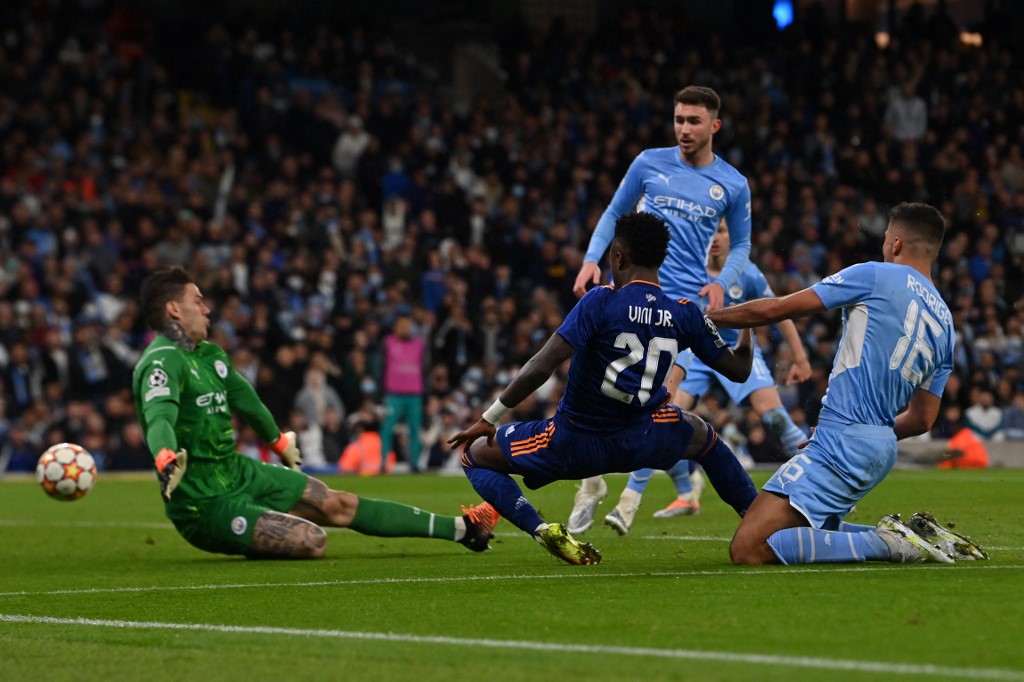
(311, 505)
(176, 333)
(283, 536)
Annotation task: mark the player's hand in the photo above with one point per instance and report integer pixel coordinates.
(590, 273)
(466, 438)
(170, 467)
(287, 450)
(806, 442)
(799, 371)
(716, 296)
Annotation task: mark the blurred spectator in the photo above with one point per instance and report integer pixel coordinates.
(906, 115)
(984, 417)
(94, 370)
(316, 397)
(310, 440)
(404, 366)
(22, 378)
(132, 451)
(19, 451)
(363, 455)
(335, 434)
(350, 145)
(442, 423)
(1013, 418)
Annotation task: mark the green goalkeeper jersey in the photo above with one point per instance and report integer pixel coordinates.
(185, 399)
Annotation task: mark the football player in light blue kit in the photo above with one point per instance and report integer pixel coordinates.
(614, 414)
(896, 352)
(759, 389)
(691, 189)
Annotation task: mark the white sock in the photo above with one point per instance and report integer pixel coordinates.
(629, 498)
(460, 528)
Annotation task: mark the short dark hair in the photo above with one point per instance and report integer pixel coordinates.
(698, 95)
(645, 237)
(923, 221)
(165, 285)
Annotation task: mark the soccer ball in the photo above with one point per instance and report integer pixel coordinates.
(66, 471)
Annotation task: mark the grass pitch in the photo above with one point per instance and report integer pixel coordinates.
(104, 588)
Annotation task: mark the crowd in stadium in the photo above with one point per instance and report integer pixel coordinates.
(320, 186)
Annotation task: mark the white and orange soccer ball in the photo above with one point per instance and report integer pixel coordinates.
(66, 471)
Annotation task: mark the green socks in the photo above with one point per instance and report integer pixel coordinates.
(394, 520)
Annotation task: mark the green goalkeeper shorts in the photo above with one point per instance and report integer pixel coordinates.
(224, 524)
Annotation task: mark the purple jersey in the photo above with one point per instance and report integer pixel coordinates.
(626, 341)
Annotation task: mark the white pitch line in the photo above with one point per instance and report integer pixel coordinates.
(584, 574)
(527, 645)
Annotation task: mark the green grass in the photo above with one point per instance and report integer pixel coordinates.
(664, 605)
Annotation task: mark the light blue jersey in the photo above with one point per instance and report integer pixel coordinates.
(897, 337)
(692, 202)
(751, 285)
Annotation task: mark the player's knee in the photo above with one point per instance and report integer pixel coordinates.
(742, 552)
(701, 432)
(484, 459)
(340, 508)
(467, 460)
(739, 553)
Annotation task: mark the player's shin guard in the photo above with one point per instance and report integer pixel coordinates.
(726, 474)
(384, 518)
(778, 421)
(506, 496)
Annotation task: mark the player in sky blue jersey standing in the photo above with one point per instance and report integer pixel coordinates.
(759, 389)
(614, 414)
(896, 352)
(691, 189)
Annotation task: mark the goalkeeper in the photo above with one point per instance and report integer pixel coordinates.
(220, 500)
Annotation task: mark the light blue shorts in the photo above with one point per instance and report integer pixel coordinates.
(842, 463)
(699, 378)
(685, 359)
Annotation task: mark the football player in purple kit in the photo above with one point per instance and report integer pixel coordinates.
(614, 415)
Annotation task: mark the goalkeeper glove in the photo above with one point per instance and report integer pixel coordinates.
(170, 467)
(287, 450)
